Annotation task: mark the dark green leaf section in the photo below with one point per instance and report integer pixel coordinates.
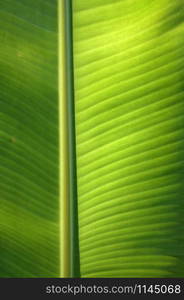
(29, 229)
(129, 91)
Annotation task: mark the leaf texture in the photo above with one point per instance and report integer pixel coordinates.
(128, 69)
(129, 92)
(29, 231)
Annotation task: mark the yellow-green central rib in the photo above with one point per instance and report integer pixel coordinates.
(63, 153)
(68, 182)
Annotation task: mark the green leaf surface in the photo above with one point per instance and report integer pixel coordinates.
(129, 129)
(129, 74)
(29, 231)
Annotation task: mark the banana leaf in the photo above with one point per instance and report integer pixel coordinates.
(99, 192)
(29, 238)
(129, 92)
